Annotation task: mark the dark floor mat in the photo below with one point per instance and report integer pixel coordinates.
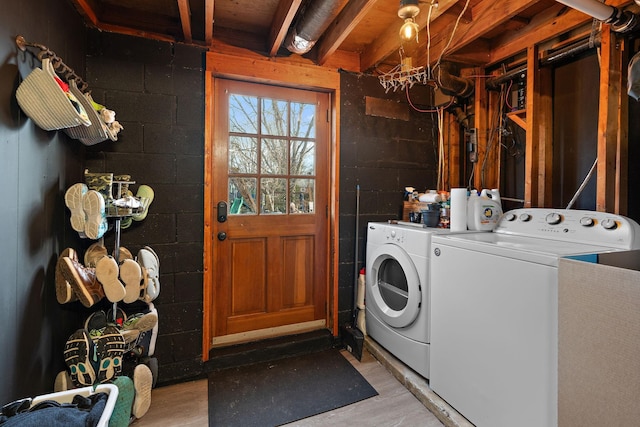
(285, 390)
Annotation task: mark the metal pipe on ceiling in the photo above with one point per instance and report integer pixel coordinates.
(620, 21)
(520, 72)
(494, 83)
(451, 84)
(570, 51)
(314, 20)
(593, 8)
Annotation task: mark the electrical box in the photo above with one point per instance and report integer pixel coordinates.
(471, 142)
(441, 99)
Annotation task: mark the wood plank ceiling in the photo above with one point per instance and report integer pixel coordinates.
(360, 35)
(357, 35)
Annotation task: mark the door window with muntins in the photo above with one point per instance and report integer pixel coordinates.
(272, 156)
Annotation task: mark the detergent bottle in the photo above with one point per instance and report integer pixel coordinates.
(484, 210)
(493, 194)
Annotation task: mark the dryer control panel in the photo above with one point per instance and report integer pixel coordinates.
(592, 227)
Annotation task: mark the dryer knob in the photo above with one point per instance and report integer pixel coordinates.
(586, 221)
(393, 234)
(609, 224)
(510, 216)
(524, 217)
(553, 218)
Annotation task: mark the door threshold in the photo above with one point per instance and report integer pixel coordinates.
(269, 349)
(261, 334)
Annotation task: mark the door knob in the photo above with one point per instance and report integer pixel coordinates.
(222, 236)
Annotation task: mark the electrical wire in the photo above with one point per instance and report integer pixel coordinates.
(497, 125)
(426, 111)
(455, 27)
(440, 184)
(471, 175)
(429, 40)
(440, 127)
(506, 95)
(439, 111)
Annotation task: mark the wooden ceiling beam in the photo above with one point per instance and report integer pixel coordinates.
(135, 19)
(127, 30)
(548, 24)
(87, 8)
(282, 20)
(342, 26)
(487, 16)
(440, 33)
(209, 8)
(490, 31)
(185, 20)
(516, 24)
(455, 10)
(476, 54)
(389, 41)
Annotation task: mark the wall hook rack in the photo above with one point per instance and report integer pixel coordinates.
(56, 61)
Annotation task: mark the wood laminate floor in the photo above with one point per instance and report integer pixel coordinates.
(186, 404)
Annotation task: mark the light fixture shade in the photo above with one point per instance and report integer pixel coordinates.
(408, 9)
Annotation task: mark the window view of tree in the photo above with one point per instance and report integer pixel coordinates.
(271, 156)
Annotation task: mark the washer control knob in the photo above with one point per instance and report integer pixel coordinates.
(393, 234)
(553, 218)
(586, 221)
(510, 216)
(609, 224)
(524, 217)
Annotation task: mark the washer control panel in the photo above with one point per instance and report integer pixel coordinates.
(394, 234)
(599, 228)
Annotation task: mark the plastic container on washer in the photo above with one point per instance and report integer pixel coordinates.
(483, 212)
(431, 215)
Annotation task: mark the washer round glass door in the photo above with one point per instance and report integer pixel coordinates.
(395, 286)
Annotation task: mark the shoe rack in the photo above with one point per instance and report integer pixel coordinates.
(117, 217)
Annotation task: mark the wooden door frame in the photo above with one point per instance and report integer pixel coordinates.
(280, 73)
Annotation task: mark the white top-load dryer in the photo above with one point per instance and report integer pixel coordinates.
(494, 311)
(397, 290)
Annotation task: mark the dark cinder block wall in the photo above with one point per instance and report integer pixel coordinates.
(382, 156)
(157, 91)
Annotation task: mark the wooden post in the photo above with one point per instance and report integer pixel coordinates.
(622, 155)
(543, 112)
(482, 110)
(490, 162)
(533, 136)
(608, 122)
(452, 153)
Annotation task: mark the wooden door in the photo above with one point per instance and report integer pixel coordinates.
(270, 186)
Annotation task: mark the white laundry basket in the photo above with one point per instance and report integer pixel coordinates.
(67, 397)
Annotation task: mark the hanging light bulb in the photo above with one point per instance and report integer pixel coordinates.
(409, 30)
(408, 11)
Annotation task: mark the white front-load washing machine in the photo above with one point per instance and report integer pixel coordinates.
(397, 290)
